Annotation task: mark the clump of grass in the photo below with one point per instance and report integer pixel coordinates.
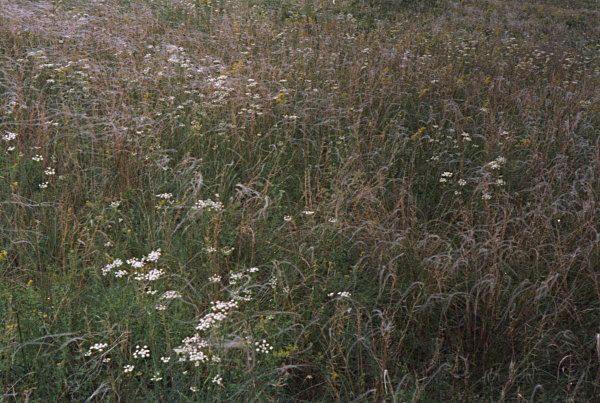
(350, 200)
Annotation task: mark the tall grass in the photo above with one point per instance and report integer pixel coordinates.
(393, 201)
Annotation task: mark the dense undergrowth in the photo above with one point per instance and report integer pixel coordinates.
(299, 200)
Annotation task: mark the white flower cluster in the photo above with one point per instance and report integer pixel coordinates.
(217, 380)
(214, 279)
(191, 350)
(135, 263)
(170, 295)
(445, 176)
(192, 347)
(109, 267)
(341, 294)
(234, 277)
(220, 310)
(165, 196)
(195, 348)
(141, 352)
(96, 348)
(9, 136)
(153, 256)
(208, 205)
(497, 163)
(225, 250)
(151, 275)
(262, 346)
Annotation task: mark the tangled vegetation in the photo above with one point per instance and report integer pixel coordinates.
(299, 200)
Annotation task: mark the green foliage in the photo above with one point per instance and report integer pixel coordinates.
(396, 198)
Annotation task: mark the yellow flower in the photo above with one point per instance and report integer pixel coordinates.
(418, 134)
(236, 67)
(280, 98)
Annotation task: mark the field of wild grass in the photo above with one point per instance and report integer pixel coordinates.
(299, 200)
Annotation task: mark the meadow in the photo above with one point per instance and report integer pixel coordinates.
(299, 200)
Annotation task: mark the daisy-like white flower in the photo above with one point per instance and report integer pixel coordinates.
(141, 352)
(128, 368)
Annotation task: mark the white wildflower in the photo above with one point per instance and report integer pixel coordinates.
(263, 346)
(153, 256)
(214, 279)
(9, 136)
(208, 205)
(170, 295)
(141, 352)
(217, 380)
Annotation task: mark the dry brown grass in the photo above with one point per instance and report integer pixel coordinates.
(369, 114)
